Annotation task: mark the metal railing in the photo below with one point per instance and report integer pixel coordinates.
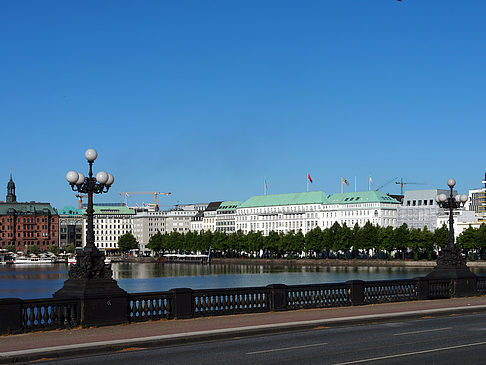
(18, 315)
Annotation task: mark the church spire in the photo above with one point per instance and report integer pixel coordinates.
(11, 198)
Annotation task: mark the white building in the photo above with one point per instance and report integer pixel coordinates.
(209, 217)
(419, 208)
(110, 222)
(226, 216)
(146, 224)
(305, 211)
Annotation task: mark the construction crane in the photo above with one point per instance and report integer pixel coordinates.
(388, 182)
(402, 183)
(155, 194)
(80, 200)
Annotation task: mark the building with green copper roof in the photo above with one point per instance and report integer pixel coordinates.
(225, 216)
(313, 197)
(71, 226)
(361, 197)
(308, 210)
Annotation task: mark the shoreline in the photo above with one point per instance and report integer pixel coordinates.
(308, 262)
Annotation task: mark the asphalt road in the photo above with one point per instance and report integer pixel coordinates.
(442, 340)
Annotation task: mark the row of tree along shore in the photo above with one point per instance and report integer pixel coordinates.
(335, 242)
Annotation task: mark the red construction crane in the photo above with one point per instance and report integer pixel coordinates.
(80, 200)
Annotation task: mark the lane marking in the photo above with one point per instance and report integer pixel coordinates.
(423, 331)
(412, 353)
(286, 348)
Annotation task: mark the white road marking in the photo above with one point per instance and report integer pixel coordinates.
(412, 353)
(424, 331)
(286, 348)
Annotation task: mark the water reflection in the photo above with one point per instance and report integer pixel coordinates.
(42, 281)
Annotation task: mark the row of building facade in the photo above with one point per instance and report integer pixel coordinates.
(24, 224)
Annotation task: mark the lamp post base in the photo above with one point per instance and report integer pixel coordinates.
(102, 301)
(451, 265)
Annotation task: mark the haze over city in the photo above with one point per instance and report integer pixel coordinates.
(207, 99)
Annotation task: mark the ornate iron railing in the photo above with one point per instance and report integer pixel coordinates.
(385, 291)
(49, 314)
(211, 302)
(18, 315)
(318, 296)
(481, 285)
(150, 306)
(439, 289)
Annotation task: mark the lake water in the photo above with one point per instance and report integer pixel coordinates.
(28, 282)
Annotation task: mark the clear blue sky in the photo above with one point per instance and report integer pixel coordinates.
(206, 98)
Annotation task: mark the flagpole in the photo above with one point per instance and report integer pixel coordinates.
(342, 185)
(307, 181)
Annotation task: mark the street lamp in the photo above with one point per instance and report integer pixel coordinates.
(90, 261)
(451, 203)
(90, 279)
(451, 263)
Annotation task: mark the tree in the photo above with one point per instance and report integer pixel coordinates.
(155, 243)
(127, 242)
(68, 247)
(441, 236)
(34, 249)
(53, 249)
(10, 248)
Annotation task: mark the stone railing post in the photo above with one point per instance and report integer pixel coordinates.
(465, 287)
(10, 315)
(422, 288)
(278, 297)
(183, 303)
(356, 291)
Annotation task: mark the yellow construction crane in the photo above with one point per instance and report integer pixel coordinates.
(80, 200)
(154, 193)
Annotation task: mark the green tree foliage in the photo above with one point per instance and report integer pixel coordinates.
(68, 247)
(127, 242)
(53, 249)
(335, 241)
(33, 249)
(10, 248)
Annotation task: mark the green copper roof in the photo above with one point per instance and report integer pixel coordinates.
(229, 205)
(70, 211)
(26, 208)
(313, 197)
(109, 210)
(361, 197)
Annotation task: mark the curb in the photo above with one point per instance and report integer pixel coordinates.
(56, 352)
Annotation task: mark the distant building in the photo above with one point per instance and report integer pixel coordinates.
(209, 217)
(71, 226)
(306, 211)
(110, 222)
(419, 208)
(27, 224)
(226, 216)
(477, 202)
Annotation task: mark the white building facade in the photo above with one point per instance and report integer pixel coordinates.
(110, 222)
(306, 211)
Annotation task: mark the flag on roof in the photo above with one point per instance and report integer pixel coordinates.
(344, 181)
(308, 176)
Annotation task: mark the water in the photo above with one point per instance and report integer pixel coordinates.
(28, 282)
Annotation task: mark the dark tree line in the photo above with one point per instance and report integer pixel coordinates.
(338, 241)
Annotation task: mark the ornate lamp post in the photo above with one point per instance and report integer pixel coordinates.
(90, 279)
(451, 263)
(90, 262)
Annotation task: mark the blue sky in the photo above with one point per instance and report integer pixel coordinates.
(206, 98)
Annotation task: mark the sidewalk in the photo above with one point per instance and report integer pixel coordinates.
(52, 344)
